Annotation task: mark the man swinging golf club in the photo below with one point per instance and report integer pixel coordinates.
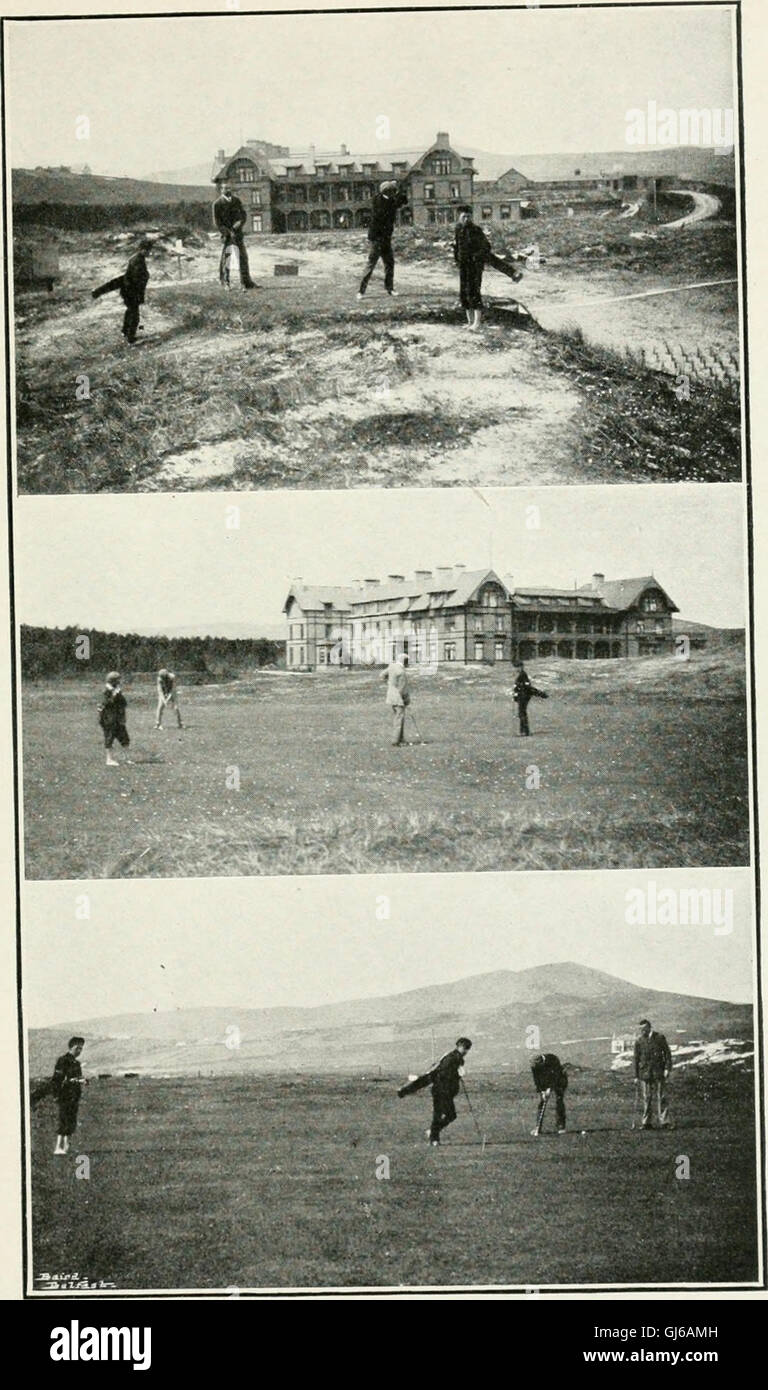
(167, 697)
(445, 1080)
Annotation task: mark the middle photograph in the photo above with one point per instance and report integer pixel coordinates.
(325, 683)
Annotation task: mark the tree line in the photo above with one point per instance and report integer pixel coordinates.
(86, 652)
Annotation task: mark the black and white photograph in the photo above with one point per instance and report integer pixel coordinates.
(381, 682)
(493, 247)
(563, 1094)
(384, 525)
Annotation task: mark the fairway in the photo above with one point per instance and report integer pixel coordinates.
(639, 763)
(265, 1181)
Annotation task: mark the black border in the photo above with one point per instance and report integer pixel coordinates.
(409, 1292)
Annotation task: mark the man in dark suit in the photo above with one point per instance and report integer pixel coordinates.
(549, 1077)
(522, 692)
(445, 1080)
(132, 285)
(653, 1063)
(384, 209)
(66, 1086)
(471, 249)
(230, 218)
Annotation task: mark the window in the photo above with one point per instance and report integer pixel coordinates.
(479, 649)
(431, 215)
(450, 624)
(370, 168)
(640, 625)
(322, 169)
(297, 630)
(256, 198)
(257, 222)
(342, 193)
(322, 656)
(505, 212)
(498, 649)
(487, 214)
(450, 651)
(429, 192)
(477, 624)
(651, 603)
(442, 165)
(659, 627)
(455, 190)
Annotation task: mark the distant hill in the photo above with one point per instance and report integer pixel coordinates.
(199, 174)
(576, 1009)
(31, 186)
(713, 636)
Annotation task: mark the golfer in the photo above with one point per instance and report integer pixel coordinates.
(230, 218)
(522, 692)
(167, 696)
(66, 1085)
(398, 696)
(132, 285)
(112, 717)
(385, 206)
(653, 1063)
(471, 249)
(445, 1079)
(549, 1076)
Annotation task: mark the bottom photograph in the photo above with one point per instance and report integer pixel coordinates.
(344, 1086)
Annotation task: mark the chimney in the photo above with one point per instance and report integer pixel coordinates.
(370, 581)
(598, 581)
(398, 578)
(344, 150)
(422, 574)
(443, 138)
(459, 567)
(444, 570)
(221, 156)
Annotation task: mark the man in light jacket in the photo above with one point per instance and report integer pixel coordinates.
(398, 696)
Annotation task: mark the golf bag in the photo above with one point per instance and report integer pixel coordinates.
(109, 287)
(506, 267)
(419, 1084)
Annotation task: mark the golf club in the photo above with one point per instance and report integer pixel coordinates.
(540, 1120)
(415, 725)
(480, 1134)
(635, 1107)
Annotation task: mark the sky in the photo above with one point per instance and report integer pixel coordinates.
(159, 563)
(256, 943)
(162, 94)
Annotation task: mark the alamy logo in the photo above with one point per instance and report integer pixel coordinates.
(680, 907)
(76, 1343)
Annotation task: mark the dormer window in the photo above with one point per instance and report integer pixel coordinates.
(441, 165)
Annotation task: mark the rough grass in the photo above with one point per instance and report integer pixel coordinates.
(254, 374)
(640, 763)
(270, 1182)
(637, 420)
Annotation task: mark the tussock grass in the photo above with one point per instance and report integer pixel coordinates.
(633, 420)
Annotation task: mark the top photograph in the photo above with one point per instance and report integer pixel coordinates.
(364, 250)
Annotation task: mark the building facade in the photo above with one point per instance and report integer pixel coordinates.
(459, 615)
(315, 190)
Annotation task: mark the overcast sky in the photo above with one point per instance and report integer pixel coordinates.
(162, 94)
(256, 943)
(158, 563)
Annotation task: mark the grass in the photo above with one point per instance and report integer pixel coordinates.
(270, 1182)
(253, 377)
(641, 763)
(635, 419)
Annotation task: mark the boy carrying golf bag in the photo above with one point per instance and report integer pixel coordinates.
(445, 1080)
